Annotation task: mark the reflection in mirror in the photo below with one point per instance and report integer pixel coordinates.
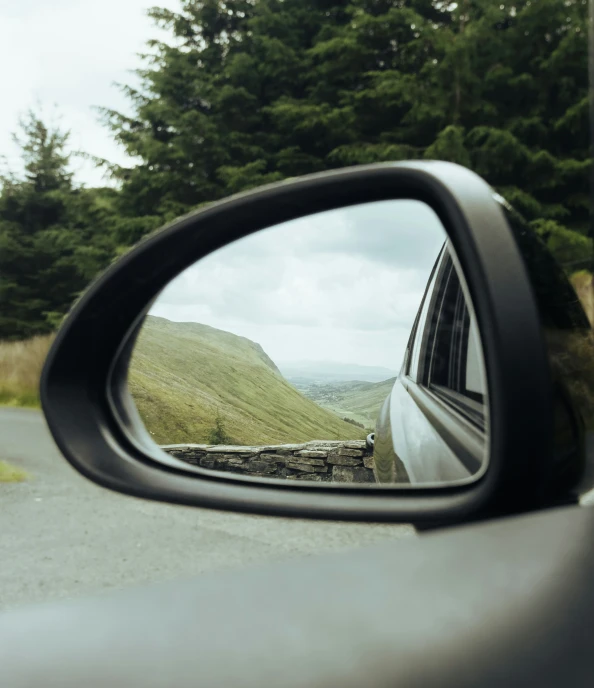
(340, 347)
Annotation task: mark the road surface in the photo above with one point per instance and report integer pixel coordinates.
(62, 536)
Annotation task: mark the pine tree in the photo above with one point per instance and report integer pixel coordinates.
(250, 91)
(218, 434)
(205, 120)
(53, 236)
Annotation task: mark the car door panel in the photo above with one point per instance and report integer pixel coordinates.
(505, 603)
(436, 433)
(417, 441)
(388, 466)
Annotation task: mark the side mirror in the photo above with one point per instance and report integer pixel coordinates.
(157, 385)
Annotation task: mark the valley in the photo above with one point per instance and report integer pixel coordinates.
(195, 384)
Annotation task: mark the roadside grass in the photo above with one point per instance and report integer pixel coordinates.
(20, 370)
(571, 352)
(10, 474)
(582, 283)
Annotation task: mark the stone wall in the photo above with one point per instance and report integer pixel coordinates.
(322, 461)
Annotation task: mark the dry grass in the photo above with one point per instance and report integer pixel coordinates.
(10, 474)
(582, 283)
(571, 352)
(20, 369)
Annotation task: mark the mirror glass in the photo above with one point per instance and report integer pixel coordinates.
(340, 347)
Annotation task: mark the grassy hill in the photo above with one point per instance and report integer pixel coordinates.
(360, 401)
(185, 375)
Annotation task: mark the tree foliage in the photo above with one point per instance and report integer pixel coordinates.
(54, 237)
(218, 433)
(251, 91)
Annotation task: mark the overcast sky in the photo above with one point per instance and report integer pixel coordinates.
(341, 286)
(67, 54)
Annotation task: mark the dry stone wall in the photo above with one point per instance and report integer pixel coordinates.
(321, 461)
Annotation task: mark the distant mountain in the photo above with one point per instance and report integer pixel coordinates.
(359, 401)
(185, 375)
(322, 371)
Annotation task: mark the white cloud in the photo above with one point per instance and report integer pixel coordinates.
(343, 285)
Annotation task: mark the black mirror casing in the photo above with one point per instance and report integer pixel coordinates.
(95, 423)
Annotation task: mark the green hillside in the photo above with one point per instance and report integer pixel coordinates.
(185, 375)
(360, 401)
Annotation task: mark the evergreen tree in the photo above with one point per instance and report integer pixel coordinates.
(54, 237)
(204, 124)
(250, 91)
(218, 434)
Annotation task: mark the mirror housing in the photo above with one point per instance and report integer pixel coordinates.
(96, 425)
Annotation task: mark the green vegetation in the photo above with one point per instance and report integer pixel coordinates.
(353, 422)
(244, 93)
(193, 383)
(54, 237)
(10, 474)
(218, 434)
(362, 401)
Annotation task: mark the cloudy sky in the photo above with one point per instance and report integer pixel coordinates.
(341, 286)
(66, 55)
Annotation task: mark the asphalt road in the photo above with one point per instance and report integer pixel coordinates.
(62, 536)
